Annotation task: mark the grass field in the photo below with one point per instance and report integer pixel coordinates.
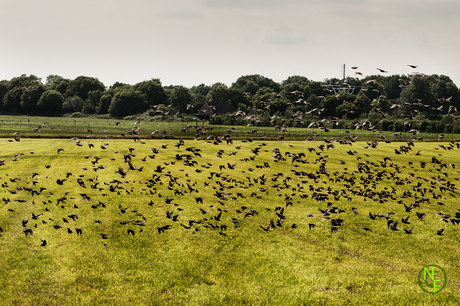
(139, 245)
(64, 127)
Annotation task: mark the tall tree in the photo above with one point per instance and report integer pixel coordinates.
(331, 103)
(219, 93)
(73, 104)
(259, 80)
(198, 102)
(3, 91)
(153, 91)
(53, 79)
(82, 85)
(200, 89)
(180, 97)
(12, 99)
(51, 102)
(127, 102)
(64, 86)
(94, 97)
(104, 102)
(30, 97)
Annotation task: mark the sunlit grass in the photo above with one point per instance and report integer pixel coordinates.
(206, 266)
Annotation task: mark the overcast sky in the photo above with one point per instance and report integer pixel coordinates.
(189, 42)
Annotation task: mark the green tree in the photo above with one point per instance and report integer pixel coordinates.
(392, 85)
(265, 98)
(418, 91)
(51, 102)
(72, 104)
(373, 90)
(200, 89)
(82, 85)
(90, 104)
(12, 99)
(250, 87)
(153, 91)
(104, 103)
(237, 98)
(3, 91)
(53, 79)
(64, 86)
(198, 102)
(127, 102)
(353, 108)
(289, 89)
(30, 97)
(295, 79)
(119, 85)
(259, 80)
(180, 97)
(17, 87)
(331, 103)
(444, 88)
(219, 93)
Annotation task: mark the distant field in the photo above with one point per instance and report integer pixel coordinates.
(62, 127)
(206, 224)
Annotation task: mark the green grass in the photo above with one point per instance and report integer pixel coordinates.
(243, 265)
(65, 127)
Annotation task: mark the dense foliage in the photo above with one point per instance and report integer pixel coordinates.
(396, 102)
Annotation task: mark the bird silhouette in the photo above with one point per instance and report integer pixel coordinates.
(408, 231)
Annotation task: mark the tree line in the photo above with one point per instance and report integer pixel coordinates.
(417, 97)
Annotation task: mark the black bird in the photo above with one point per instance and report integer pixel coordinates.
(420, 215)
(405, 220)
(311, 225)
(440, 232)
(35, 217)
(162, 229)
(130, 231)
(394, 226)
(43, 243)
(28, 231)
(408, 231)
(367, 229)
(267, 229)
(79, 231)
(185, 226)
(203, 211)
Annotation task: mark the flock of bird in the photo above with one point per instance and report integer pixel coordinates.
(223, 194)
